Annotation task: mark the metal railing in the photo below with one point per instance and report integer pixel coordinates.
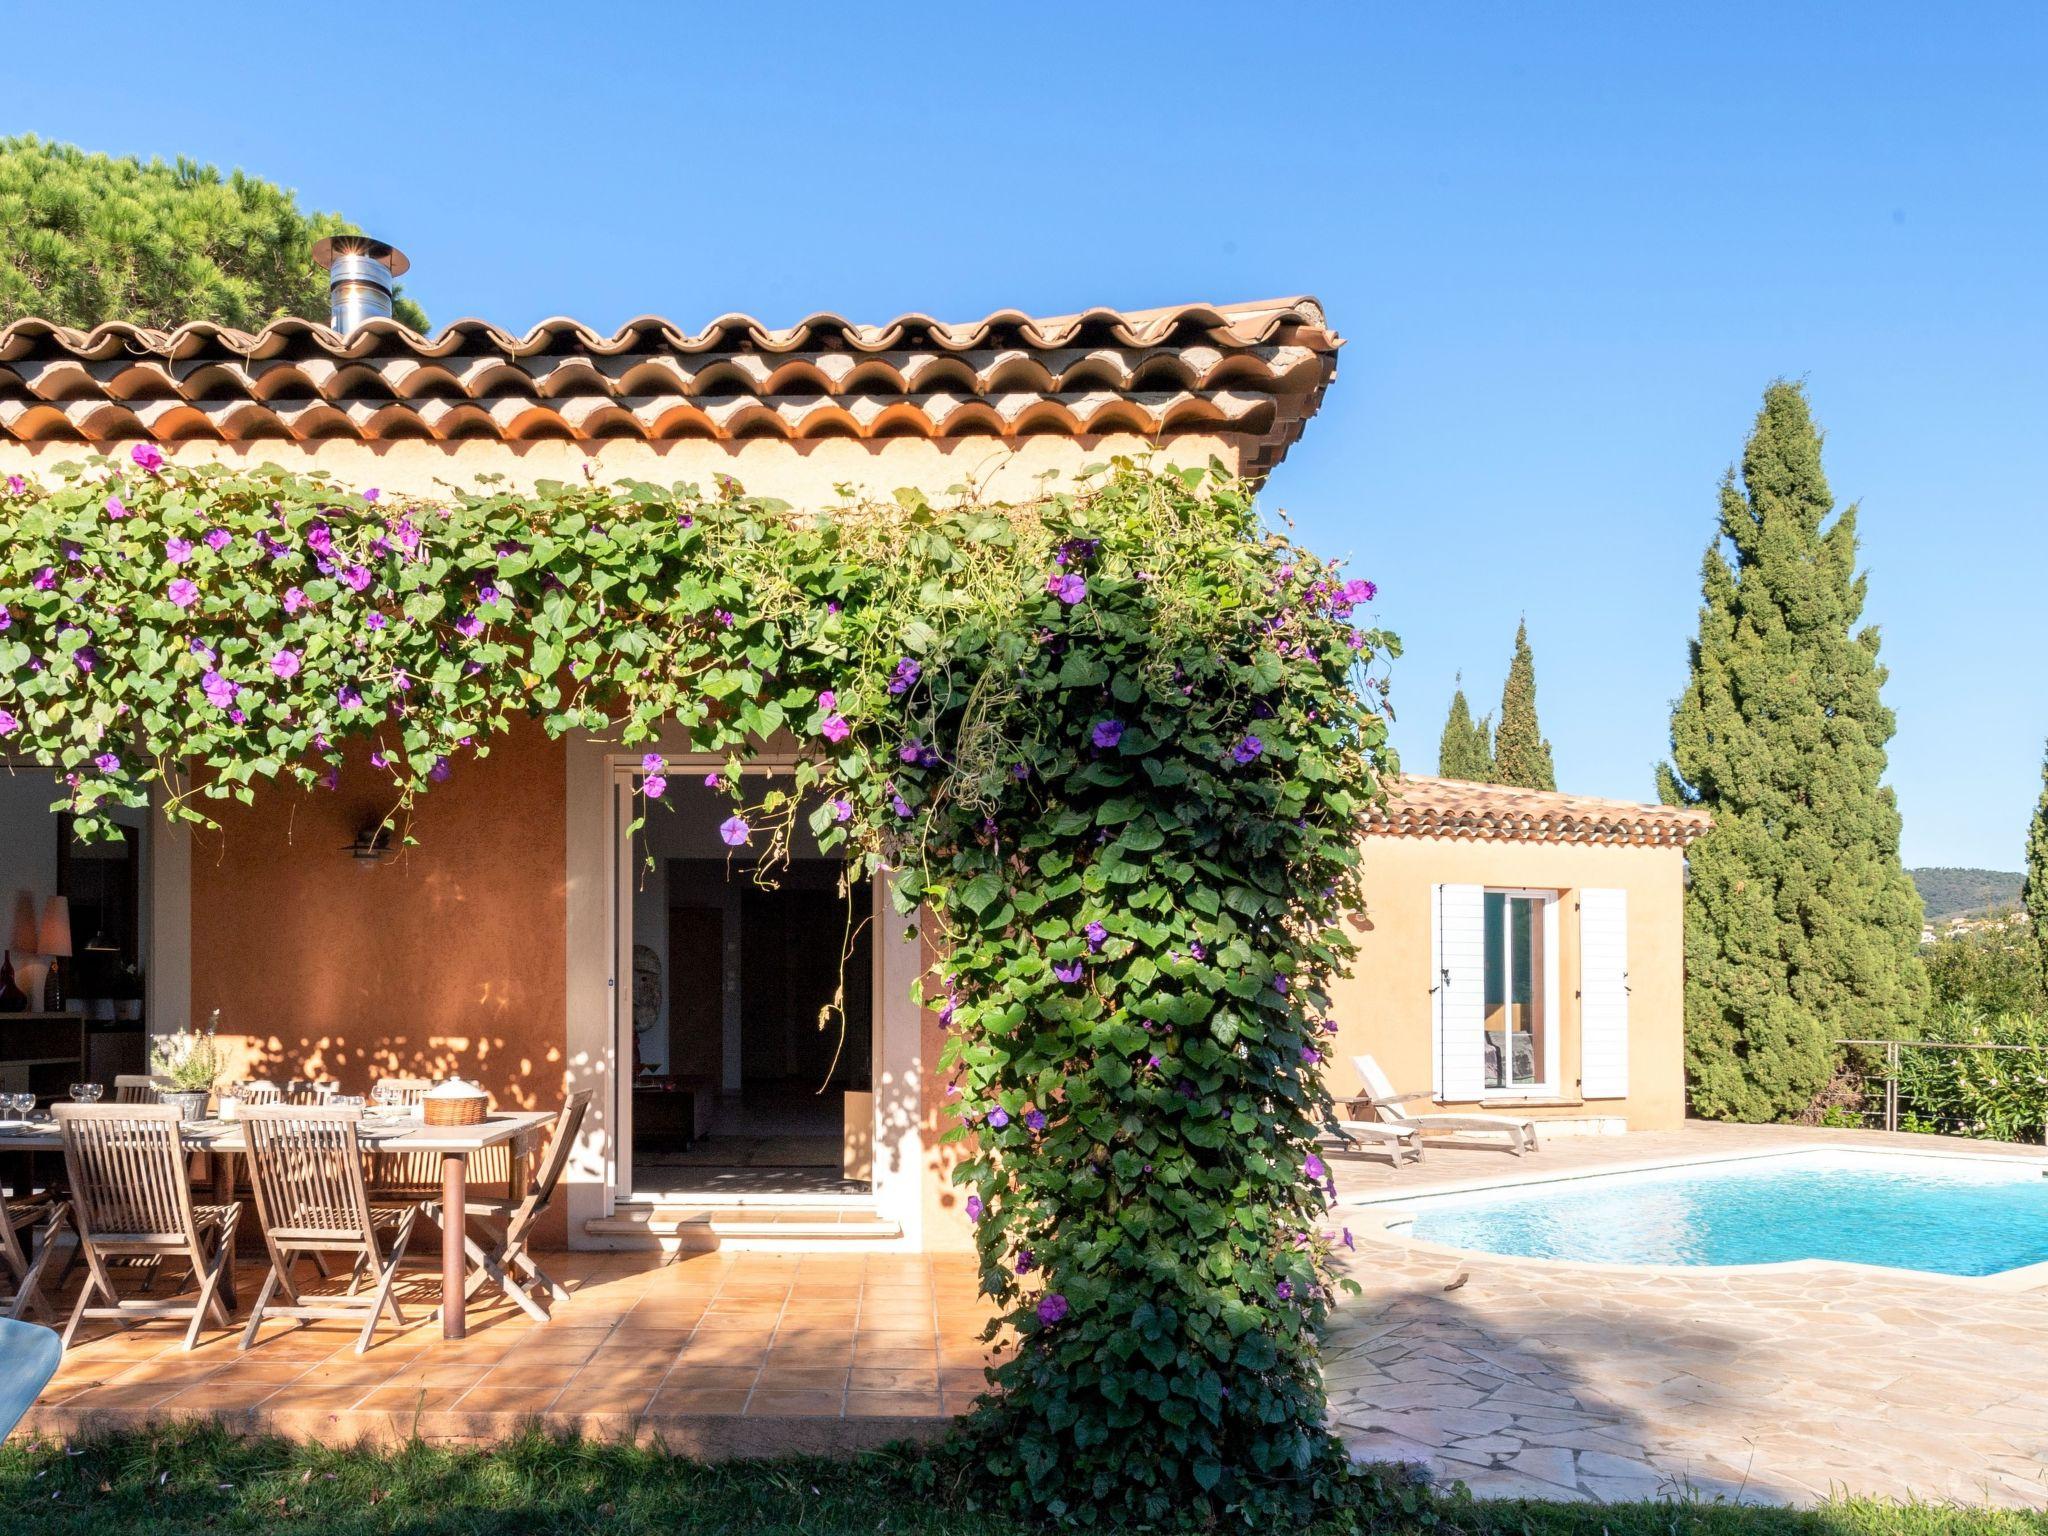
(1892, 1048)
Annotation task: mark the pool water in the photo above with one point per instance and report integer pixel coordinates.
(1947, 1215)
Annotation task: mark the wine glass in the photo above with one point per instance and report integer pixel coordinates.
(390, 1098)
(86, 1093)
(23, 1106)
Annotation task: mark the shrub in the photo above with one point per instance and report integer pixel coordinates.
(1994, 966)
(1999, 1095)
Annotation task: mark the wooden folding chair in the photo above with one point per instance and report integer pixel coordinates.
(504, 1257)
(312, 1201)
(417, 1175)
(130, 1200)
(135, 1088)
(24, 1278)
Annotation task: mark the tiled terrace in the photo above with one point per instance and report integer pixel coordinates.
(1549, 1381)
(718, 1354)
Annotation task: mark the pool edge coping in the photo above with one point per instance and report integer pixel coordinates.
(1384, 1211)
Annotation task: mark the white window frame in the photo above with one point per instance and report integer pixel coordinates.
(1552, 1022)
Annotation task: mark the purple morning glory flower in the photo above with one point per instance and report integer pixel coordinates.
(285, 664)
(906, 675)
(653, 762)
(320, 539)
(1315, 1168)
(218, 539)
(85, 658)
(348, 698)
(357, 576)
(1052, 1306)
(1034, 1120)
(1069, 589)
(975, 1208)
(1068, 970)
(184, 592)
(469, 626)
(440, 771)
(9, 723)
(487, 593)
(1108, 733)
(377, 621)
(372, 494)
(1280, 985)
(147, 456)
(106, 762)
(912, 751)
(1025, 1262)
(6, 618)
(899, 805)
(16, 485)
(842, 808)
(177, 551)
(116, 507)
(1097, 935)
(734, 831)
(1348, 1241)
(46, 578)
(1247, 750)
(1284, 1290)
(655, 785)
(220, 691)
(835, 728)
(999, 1117)
(294, 599)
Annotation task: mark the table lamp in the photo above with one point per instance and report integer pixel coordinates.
(54, 940)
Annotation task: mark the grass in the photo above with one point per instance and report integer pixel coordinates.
(198, 1479)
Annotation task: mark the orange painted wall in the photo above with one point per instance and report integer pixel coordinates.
(448, 959)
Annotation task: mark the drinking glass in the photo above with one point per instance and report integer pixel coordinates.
(390, 1098)
(86, 1093)
(22, 1106)
(347, 1101)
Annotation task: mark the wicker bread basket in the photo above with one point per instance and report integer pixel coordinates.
(456, 1103)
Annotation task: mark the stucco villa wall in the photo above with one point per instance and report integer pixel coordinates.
(1385, 1006)
(447, 959)
(804, 473)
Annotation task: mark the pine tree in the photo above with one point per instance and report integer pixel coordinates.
(89, 238)
(1466, 749)
(2034, 893)
(1801, 928)
(1520, 754)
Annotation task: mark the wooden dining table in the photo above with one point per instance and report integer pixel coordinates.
(380, 1132)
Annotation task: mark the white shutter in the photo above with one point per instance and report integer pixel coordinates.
(1459, 953)
(1603, 994)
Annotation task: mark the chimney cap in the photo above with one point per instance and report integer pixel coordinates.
(390, 257)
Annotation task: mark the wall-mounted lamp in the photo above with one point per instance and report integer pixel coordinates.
(371, 847)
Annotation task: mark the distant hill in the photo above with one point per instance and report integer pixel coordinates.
(1956, 892)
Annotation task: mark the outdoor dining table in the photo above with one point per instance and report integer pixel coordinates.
(394, 1133)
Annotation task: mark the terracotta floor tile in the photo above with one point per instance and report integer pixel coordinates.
(627, 1370)
(508, 1397)
(400, 1397)
(895, 1378)
(726, 1349)
(807, 1403)
(909, 1405)
(711, 1378)
(678, 1401)
(802, 1378)
(616, 1397)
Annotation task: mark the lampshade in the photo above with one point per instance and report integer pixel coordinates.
(56, 930)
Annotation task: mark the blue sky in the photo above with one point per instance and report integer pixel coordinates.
(1569, 245)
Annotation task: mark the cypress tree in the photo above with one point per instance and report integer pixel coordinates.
(1801, 928)
(1465, 750)
(2034, 893)
(1520, 754)
(89, 238)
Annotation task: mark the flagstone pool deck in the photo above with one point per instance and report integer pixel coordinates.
(1542, 1380)
(1519, 1378)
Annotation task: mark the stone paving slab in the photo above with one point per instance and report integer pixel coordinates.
(1547, 1381)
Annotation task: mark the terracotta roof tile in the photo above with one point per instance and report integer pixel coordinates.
(1457, 808)
(1254, 370)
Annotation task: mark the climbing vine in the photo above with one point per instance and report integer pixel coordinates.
(1117, 741)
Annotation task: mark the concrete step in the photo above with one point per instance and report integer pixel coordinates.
(837, 1228)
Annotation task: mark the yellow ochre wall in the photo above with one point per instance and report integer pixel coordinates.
(1385, 1006)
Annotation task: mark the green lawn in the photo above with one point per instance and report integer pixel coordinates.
(193, 1480)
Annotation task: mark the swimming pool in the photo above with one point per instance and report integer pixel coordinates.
(1947, 1215)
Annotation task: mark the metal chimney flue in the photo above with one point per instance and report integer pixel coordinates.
(360, 273)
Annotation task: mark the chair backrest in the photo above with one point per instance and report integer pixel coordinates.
(135, 1088)
(127, 1170)
(410, 1089)
(306, 1165)
(1378, 1087)
(259, 1091)
(568, 1122)
(308, 1091)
